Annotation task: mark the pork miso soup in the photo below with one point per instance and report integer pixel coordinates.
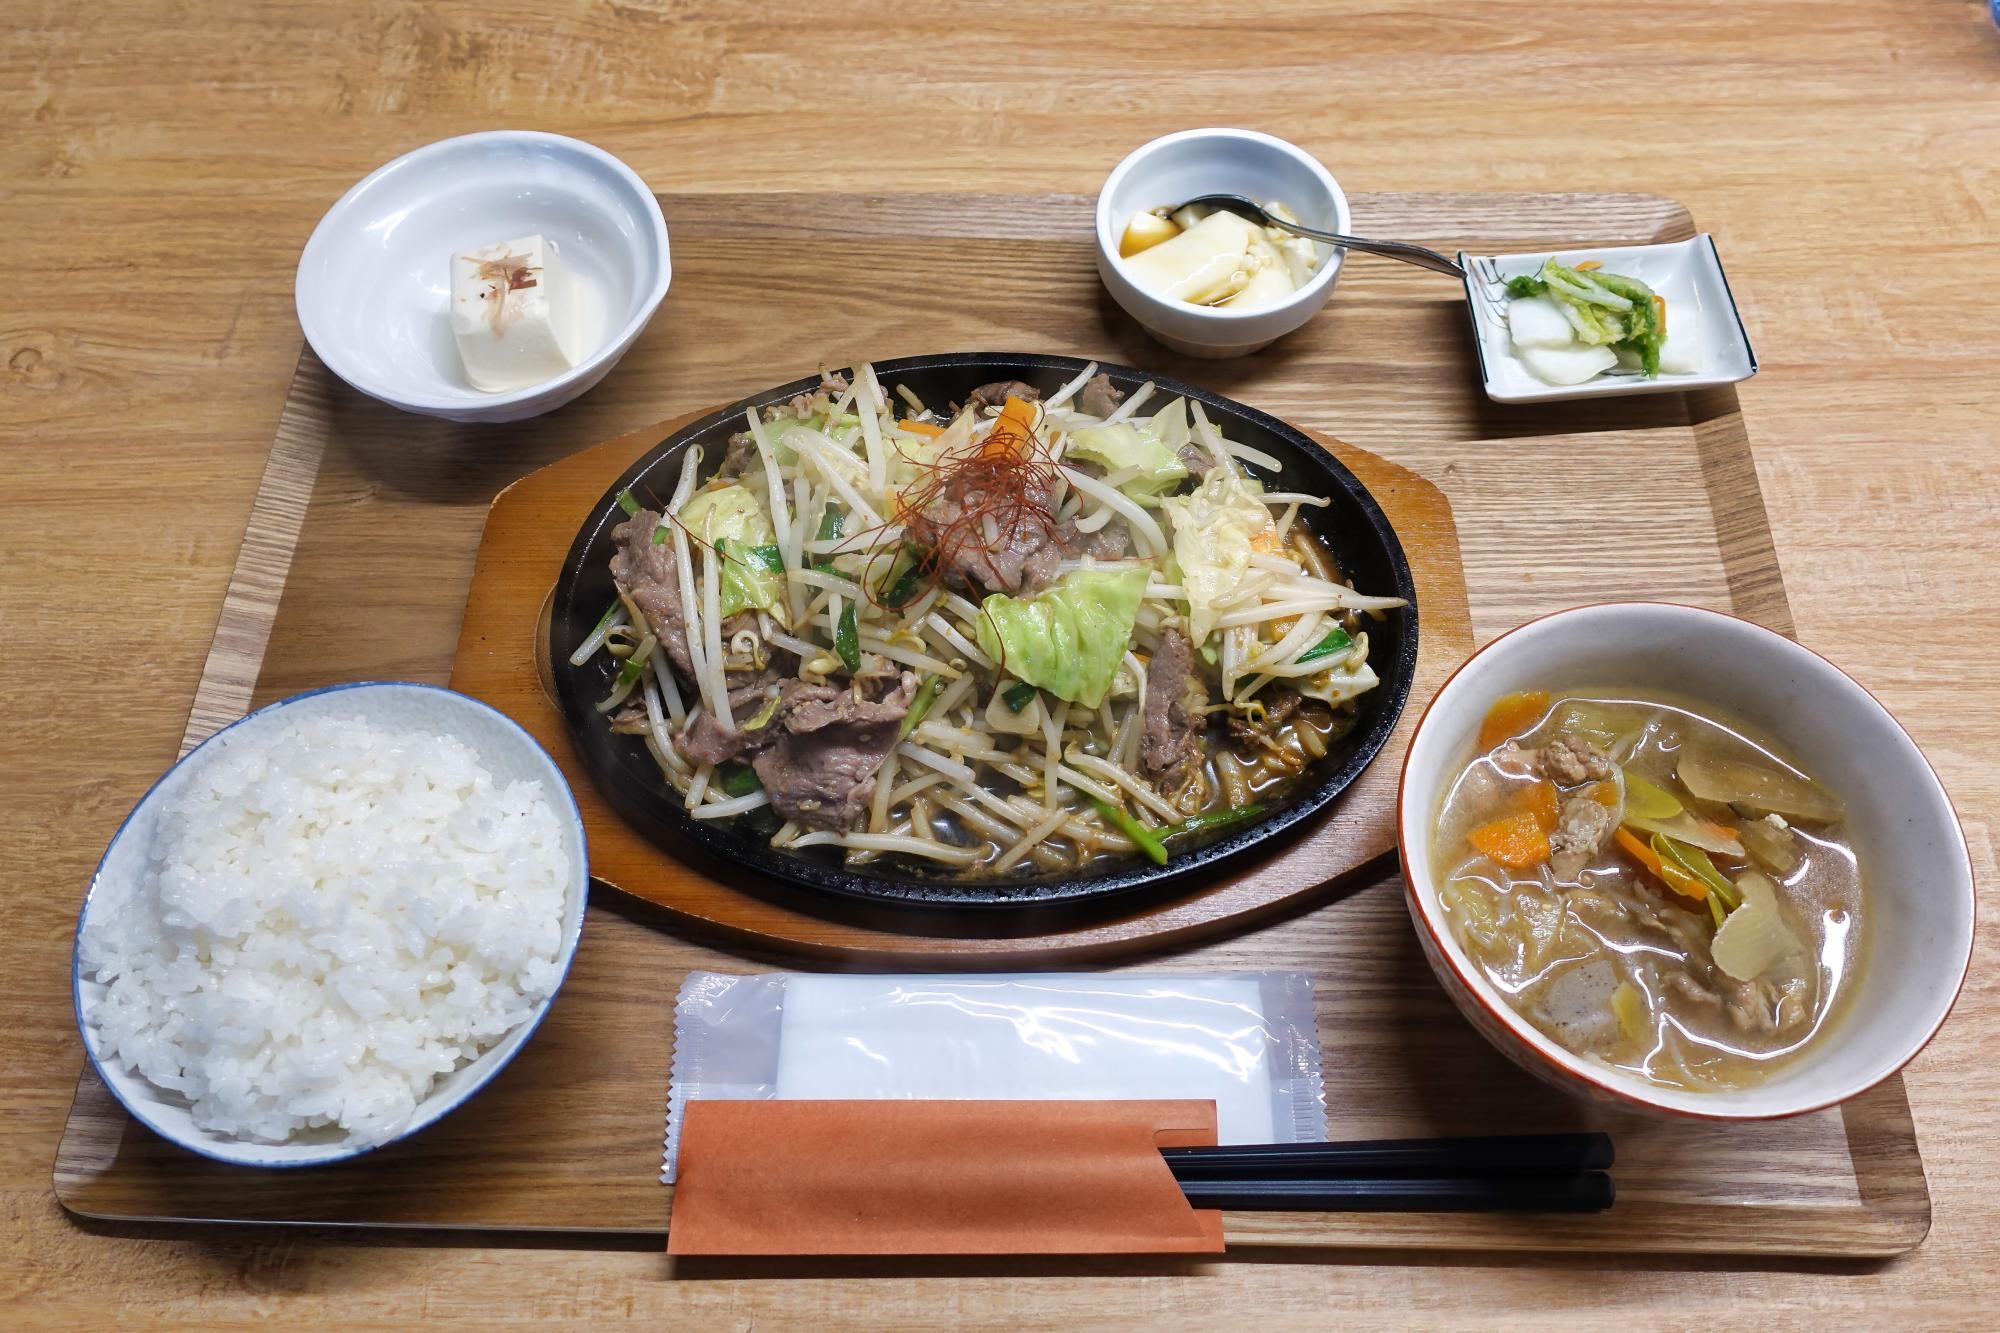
(1654, 888)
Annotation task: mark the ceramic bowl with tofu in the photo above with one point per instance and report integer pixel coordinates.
(1218, 287)
(1535, 348)
(486, 278)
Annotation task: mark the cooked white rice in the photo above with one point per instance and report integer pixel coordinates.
(334, 915)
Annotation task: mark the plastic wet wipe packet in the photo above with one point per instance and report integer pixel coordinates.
(1249, 1041)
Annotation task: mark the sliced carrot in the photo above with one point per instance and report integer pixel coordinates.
(920, 428)
(1512, 714)
(1660, 304)
(1515, 841)
(1681, 882)
(1589, 264)
(1675, 878)
(1544, 802)
(1604, 793)
(1011, 429)
(1638, 851)
(1722, 832)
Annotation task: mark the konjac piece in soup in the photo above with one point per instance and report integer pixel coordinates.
(1649, 885)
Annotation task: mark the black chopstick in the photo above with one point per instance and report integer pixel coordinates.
(1487, 1156)
(1573, 1192)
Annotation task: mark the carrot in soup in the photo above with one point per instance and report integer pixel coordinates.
(1544, 802)
(1515, 841)
(1675, 878)
(1512, 714)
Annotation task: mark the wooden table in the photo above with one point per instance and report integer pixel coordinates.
(160, 169)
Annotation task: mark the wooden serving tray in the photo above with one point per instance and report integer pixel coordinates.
(502, 657)
(360, 554)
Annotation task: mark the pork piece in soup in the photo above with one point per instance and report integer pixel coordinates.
(1650, 885)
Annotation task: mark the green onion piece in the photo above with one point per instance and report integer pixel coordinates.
(904, 588)
(1215, 819)
(763, 715)
(605, 619)
(629, 672)
(1337, 641)
(1016, 696)
(767, 558)
(847, 638)
(660, 535)
(829, 527)
(738, 780)
(1715, 909)
(1155, 850)
(627, 502)
(1695, 861)
(927, 694)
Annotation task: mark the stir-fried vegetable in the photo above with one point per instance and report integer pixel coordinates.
(1144, 838)
(1216, 819)
(1336, 641)
(847, 638)
(1120, 446)
(1070, 638)
(920, 707)
(733, 523)
(972, 547)
(1216, 530)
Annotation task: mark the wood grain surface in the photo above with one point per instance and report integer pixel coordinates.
(160, 167)
(502, 656)
(394, 581)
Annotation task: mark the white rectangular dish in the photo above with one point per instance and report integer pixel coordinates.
(1687, 273)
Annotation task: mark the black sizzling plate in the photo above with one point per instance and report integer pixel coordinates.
(1353, 527)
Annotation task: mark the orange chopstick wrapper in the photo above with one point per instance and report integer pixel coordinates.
(939, 1177)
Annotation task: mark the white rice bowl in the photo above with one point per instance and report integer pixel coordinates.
(329, 917)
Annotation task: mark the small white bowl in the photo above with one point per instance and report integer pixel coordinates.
(1917, 875)
(506, 750)
(1688, 273)
(1177, 167)
(374, 282)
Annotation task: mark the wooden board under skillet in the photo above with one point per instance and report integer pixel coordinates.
(360, 556)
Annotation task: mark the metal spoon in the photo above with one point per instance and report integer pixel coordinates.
(1255, 212)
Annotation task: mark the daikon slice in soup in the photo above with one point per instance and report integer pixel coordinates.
(1654, 887)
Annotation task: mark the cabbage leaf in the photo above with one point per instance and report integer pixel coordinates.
(1216, 527)
(1122, 445)
(1070, 637)
(730, 519)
